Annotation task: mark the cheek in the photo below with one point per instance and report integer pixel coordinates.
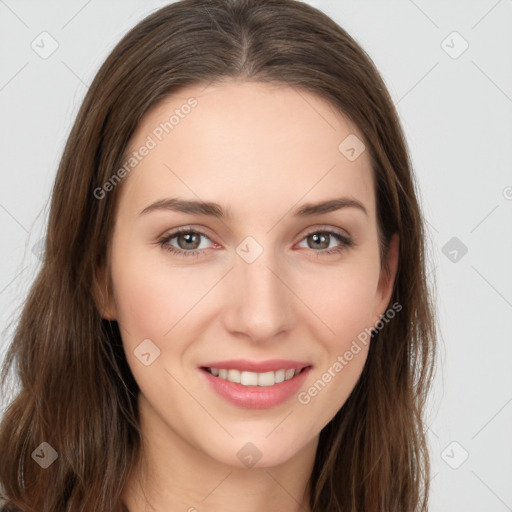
(347, 310)
(152, 303)
(143, 303)
(350, 311)
(344, 303)
(343, 298)
(152, 296)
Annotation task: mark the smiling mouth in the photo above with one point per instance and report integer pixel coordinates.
(246, 378)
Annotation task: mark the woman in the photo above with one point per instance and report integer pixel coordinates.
(285, 365)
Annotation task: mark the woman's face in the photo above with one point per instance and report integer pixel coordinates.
(259, 283)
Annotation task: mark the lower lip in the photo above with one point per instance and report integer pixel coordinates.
(256, 397)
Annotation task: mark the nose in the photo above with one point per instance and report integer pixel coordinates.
(260, 301)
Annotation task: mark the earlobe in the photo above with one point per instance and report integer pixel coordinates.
(387, 277)
(102, 300)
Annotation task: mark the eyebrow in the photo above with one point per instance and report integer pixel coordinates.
(216, 210)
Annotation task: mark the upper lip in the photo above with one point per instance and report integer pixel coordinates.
(270, 365)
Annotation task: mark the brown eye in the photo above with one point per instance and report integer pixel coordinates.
(187, 242)
(320, 240)
(190, 240)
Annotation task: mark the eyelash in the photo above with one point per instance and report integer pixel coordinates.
(345, 242)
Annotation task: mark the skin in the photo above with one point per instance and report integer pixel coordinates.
(260, 150)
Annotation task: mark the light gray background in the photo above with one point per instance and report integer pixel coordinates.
(456, 113)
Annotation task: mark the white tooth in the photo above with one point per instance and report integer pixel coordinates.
(289, 374)
(266, 379)
(279, 376)
(249, 378)
(234, 375)
(253, 378)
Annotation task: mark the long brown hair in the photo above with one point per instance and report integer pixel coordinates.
(76, 391)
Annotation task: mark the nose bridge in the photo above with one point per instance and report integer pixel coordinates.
(260, 305)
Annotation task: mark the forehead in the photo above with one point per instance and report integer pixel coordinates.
(247, 144)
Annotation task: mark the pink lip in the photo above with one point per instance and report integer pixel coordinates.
(256, 397)
(272, 365)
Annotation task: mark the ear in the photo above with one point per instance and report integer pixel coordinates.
(387, 278)
(104, 303)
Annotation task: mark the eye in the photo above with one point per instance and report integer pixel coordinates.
(188, 238)
(189, 242)
(322, 239)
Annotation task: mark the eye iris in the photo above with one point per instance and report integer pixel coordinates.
(317, 237)
(189, 237)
